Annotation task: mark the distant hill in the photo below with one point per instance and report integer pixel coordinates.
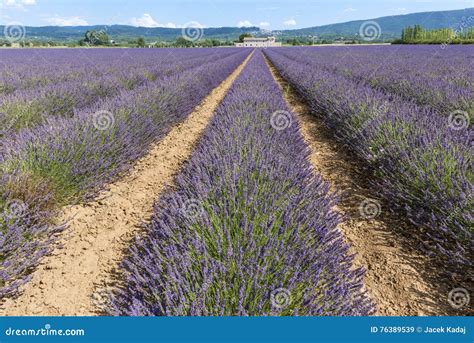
(390, 28)
(126, 32)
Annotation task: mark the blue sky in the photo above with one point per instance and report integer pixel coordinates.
(268, 14)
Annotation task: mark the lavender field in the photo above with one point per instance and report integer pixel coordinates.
(250, 223)
(66, 134)
(256, 220)
(409, 120)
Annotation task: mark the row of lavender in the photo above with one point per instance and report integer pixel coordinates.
(248, 228)
(420, 163)
(427, 75)
(67, 160)
(25, 69)
(86, 84)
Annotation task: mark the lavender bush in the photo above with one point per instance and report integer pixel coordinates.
(34, 68)
(248, 228)
(32, 105)
(66, 160)
(420, 162)
(428, 75)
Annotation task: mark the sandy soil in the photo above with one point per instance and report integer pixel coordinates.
(100, 231)
(401, 281)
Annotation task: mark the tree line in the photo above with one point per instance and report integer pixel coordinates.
(419, 35)
(100, 38)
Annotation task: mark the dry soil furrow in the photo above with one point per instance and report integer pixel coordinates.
(99, 231)
(396, 278)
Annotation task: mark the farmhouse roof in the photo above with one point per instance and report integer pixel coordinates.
(253, 39)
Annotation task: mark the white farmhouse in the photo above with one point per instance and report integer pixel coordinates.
(258, 42)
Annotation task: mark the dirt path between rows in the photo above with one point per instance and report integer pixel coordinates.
(399, 281)
(100, 231)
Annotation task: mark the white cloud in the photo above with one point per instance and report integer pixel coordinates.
(349, 9)
(289, 22)
(171, 25)
(71, 21)
(244, 23)
(18, 4)
(146, 20)
(248, 23)
(401, 10)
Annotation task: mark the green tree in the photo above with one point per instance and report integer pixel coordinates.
(141, 42)
(294, 41)
(5, 42)
(182, 42)
(244, 35)
(92, 37)
(417, 35)
(208, 43)
(417, 32)
(160, 44)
